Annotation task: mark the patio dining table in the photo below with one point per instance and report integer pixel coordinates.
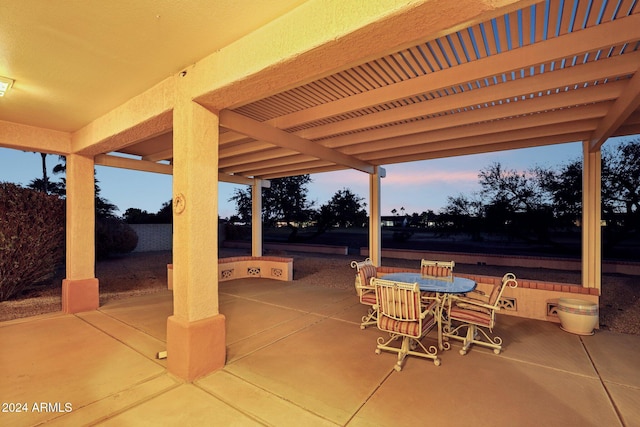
(458, 285)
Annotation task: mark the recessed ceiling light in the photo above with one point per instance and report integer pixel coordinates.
(5, 85)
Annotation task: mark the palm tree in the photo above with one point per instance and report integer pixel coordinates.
(43, 184)
(45, 179)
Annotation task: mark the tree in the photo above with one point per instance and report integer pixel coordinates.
(565, 189)
(463, 213)
(139, 216)
(345, 209)
(515, 202)
(621, 184)
(165, 214)
(44, 184)
(242, 199)
(508, 187)
(104, 208)
(284, 201)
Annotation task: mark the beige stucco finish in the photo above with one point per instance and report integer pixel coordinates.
(195, 212)
(80, 288)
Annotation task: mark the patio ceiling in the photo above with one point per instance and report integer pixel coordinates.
(550, 73)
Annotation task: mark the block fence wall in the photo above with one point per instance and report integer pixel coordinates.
(153, 237)
(159, 237)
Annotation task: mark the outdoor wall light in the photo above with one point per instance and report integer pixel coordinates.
(5, 85)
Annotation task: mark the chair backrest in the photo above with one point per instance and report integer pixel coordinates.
(365, 272)
(496, 294)
(437, 269)
(398, 301)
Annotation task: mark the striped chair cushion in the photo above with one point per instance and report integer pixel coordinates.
(366, 273)
(472, 316)
(493, 297)
(411, 328)
(432, 270)
(368, 297)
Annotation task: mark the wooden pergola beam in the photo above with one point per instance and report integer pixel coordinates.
(264, 132)
(147, 166)
(623, 107)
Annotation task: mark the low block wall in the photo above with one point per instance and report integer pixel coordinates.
(571, 264)
(296, 247)
(532, 299)
(266, 267)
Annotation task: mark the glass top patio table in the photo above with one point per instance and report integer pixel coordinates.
(459, 285)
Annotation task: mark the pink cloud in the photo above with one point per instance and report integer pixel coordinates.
(430, 177)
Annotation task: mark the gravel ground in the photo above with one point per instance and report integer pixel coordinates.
(144, 273)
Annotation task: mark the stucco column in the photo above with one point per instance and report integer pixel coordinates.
(80, 287)
(196, 331)
(591, 218)
(375, 230)
(256, 218)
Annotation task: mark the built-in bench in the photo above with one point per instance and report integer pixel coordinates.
(239, 267)
(532, 299)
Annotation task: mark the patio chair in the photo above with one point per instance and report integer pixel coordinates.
(366, 292)
(442, 270)
(476, 316)
(403, 315)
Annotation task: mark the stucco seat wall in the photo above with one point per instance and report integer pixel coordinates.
(266, 267)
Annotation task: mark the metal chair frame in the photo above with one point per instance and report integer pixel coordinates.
(402, 313)
(476, 316)
(366, 292)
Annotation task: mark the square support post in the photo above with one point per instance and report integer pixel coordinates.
(80, 289)
(196, 330)
(256, 218)
(591, 218)
(375, 229)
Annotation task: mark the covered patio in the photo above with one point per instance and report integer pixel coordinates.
(296, 356)
(246, 94)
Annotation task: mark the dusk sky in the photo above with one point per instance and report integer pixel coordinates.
(416, 186)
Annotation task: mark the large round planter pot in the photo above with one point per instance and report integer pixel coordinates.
(578, 316)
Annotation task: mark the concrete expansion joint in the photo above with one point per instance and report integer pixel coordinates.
(146, 399)
(111, 335)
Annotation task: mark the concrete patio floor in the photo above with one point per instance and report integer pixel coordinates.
(297, 357)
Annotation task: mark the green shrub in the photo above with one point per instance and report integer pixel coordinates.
(32, 237)
(114, 237)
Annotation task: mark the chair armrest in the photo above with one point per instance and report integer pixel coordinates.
(430, 309)
(477, 291)
(471, 301)
(477, 295)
